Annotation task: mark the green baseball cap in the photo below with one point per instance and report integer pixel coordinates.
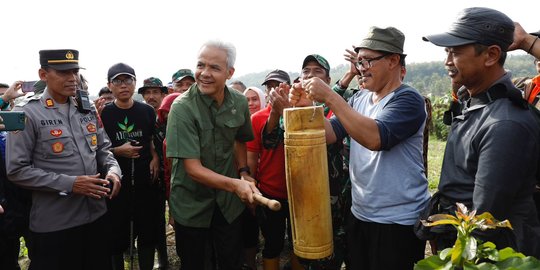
(182, 73)
(388, 39)
(319, 59)
(39, 86)
(152, 82)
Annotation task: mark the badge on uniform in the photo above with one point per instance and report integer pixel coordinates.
(49, 102)
(94, 140)
(56, 132)
(57, 147)
(91, 127)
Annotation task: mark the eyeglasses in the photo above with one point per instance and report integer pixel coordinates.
(118, 82)
(368, 63)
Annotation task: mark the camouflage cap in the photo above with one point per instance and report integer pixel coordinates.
(319, 59)
(182, 73)
(152, 82)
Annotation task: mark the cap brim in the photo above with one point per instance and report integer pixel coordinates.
(65, 66)
(277, 79)
(181, 78)
(376, 45)
(164, 89)
(537, 33)
(121, 73)
(447, 40)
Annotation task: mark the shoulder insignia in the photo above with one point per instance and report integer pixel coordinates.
(28, 99)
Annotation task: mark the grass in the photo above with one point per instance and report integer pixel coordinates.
(435, 157)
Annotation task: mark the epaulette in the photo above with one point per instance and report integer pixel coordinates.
(28, 99)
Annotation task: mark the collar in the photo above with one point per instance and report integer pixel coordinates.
(493, 93)
(208, 101)
(502, 88)
(48, 101)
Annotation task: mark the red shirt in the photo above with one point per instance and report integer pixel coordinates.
(271, 168)
(166, 171)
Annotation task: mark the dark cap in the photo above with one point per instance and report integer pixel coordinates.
(59, 59)
(277, 75)
(120, 69)
(480, 25)
(182, 73)
(152, 82)
(388, 39)
(319, 59)
(104, 90)
(537, 33)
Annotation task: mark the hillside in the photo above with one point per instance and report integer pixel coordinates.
(429, 78)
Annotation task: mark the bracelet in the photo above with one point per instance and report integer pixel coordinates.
(244, 169)
(532, 45)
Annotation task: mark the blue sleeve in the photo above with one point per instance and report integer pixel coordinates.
(338, 128)
(401, 118)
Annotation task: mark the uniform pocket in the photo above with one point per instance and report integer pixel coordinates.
(235, 122)
(56, 142)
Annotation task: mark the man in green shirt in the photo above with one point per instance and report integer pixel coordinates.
(206, 134)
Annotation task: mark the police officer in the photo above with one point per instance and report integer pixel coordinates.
(58, 156)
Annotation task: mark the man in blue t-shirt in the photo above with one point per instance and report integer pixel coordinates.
(385, 122)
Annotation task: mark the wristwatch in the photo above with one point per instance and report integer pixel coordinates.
(244, 169)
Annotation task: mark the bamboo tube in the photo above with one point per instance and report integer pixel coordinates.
(307, 182)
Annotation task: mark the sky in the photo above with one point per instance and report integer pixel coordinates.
(159, 37)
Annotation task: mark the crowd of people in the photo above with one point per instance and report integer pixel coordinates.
(88, 185)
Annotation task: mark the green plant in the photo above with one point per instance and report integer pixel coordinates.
(23, 251)
(439, 106)
(469, 252)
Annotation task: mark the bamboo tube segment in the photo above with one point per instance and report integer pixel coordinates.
(307, 182)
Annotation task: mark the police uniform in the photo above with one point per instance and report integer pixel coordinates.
(48, 155)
